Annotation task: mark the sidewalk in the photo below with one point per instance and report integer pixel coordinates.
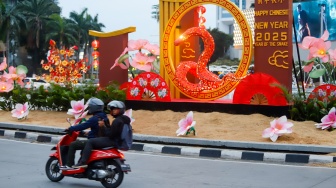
(253, 151)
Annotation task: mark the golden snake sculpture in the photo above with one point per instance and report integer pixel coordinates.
(208, 80)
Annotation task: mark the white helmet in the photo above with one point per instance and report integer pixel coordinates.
(116, 104)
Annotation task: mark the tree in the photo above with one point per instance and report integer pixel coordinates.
(62, 30)
(11, 19)
(81, 27)
(37, 13)
(222, 41)
(155, 12)
(84, 23)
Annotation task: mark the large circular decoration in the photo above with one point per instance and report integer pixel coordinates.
(209, 88)
(257, 89)
(147, 86)
(325, 93)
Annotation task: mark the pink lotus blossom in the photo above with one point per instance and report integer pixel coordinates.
(186, 124)
(278, 127)
(312, 42)
(152, 48)
(332, 54)
(77, 109)
(129, 114)
(80, 117)
(136, 44)
(328, 121)
(122, 61)
(308, 67)
(12, 76)
(3, 65)
(319, 49)
(142, 62)
(6, 87)
(21, 111)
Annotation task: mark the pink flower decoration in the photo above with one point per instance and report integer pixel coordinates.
(77, 109)
(12, 76)
(278, 127)
(21, 111)
(186, 124)
(332, 54)
(328, 121)
(3, 65)
(6, 87)
(319, 49)
(129, 114)
(80, 117)
(152, 48)
(142, 62)
(136, 44)
(122, 60)
(308, 68)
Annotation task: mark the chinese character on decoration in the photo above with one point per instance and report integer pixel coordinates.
(95, 53)
(62, 65)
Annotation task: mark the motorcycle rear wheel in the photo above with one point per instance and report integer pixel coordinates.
(52, 170)
(116, 180)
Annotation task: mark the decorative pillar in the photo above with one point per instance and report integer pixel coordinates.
(112, 44)
(273, 40)
(190, 19)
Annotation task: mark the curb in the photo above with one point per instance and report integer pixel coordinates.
(190, 151)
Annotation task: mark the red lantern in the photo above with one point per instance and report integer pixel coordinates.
(95, 44)
(95, 64)
(201, 9)
(95, 54)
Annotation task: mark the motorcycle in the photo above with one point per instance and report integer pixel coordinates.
(106, 165)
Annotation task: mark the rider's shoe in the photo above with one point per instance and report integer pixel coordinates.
(80, 165)
(66, 167)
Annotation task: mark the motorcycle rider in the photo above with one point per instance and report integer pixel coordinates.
(96, 109)
(112, 134)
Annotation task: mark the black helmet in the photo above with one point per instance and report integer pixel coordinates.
(95, 105)
(116, 104)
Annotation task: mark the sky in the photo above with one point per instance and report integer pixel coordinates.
(116, 15)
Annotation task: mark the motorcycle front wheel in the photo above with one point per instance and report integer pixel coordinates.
(53, 171)
(117, 175)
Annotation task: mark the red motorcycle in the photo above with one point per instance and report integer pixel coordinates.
(106, 165)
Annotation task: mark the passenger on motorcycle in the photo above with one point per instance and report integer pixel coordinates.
(96, 109)
(112, 134)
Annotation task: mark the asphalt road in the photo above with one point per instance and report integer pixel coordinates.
(22, 165)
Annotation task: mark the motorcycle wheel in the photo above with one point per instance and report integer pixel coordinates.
(53, 171)
(117, 178)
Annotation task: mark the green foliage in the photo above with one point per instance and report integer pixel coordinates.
(304, 110)
(222, 41)
(226, 61)
(58, 98)
(311, 109)
(285, 92)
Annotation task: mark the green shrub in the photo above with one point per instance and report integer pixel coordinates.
(58, 98)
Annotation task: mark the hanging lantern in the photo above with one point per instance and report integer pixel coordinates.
(95, 44)
(201, 9)
(95, 64)
(95, 55)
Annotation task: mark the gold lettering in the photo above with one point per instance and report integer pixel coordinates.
(279, 25)
(282, 44)
(282, 12)
(261, 13)
(261, 25)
